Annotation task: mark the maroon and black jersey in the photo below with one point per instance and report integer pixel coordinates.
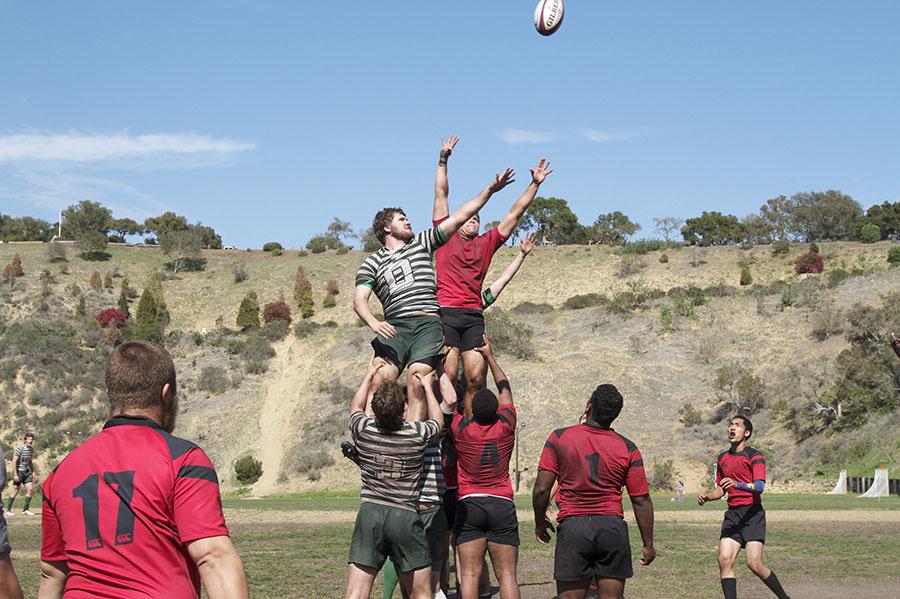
(483, 453)
(592, 464)
(121, 508)
(743, 467)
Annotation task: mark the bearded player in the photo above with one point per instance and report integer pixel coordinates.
(741, 473)
(462, 264)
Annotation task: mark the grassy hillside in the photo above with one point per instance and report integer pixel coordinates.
(666, 333)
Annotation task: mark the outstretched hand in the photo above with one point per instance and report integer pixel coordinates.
(447, 146)
(528, 243)
(502, 180)
(425, 380)
(540, 173)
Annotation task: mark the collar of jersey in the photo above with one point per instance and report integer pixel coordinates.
(595, 426)
(126, 420)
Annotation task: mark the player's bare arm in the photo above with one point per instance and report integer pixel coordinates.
(643, 514)
(467, 210)
(500, 379)
(364, 311)
(540, 501)
(524, 249)
(441, 182)
(360, 398)
(53, 579)
(538, 174)
(713, 495)
(431, 402)
(220, 566)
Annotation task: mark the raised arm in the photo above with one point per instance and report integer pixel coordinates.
(500, 378)
(434, 407)
(470, 208)
(220, 566)
(360, 398)
(538, 175)
(493, 292)
(441, 183)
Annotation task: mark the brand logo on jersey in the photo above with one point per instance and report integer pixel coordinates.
(94, 544)
(123, 539)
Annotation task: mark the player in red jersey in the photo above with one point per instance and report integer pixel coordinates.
(135, 511)
(461, 265)
(741, 473)
(591, 463)
(486, 520)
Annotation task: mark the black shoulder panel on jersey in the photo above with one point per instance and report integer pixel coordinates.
(177, 446)
(559, 432)
(751, 452)
(628, 444)
(721, 454)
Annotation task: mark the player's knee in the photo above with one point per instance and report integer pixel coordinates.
(756, 566)
(475, 379)
(726, 562)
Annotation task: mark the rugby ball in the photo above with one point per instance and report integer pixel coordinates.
(548, 16)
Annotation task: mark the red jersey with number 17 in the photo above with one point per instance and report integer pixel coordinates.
(121, 508)
(744, 467)
(592, 464)
(483, 453)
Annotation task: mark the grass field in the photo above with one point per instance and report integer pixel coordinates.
(821, 546)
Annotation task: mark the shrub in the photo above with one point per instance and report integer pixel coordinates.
(814, 247)
(112, 316)
(780, 247)
(272, 245)
(509, 335)
(531, 308)
(312, 461)
(305, 328)
(277, 252)
(14, 268)
(331, 287)
(837, 276)
(302, 254)
(248, 312)
(626, 302)
(747, 245)
(645, 246)
(343, 249)
(303, 294)
(689, 416)
(869, 233)
(685, 300)
(214, 379)
(247, 469)
(56, 252)
(255, 353)
(631, 264)
(893, 256)
(666, 319)
(64, 268)
(277, 310)
(809, 262)
(80, 306)
(320, 243)
(276, 330)
(662, 476)
(827, 321)
(585, 300)
(107, 281)
(96, 281)
(239, 272)
(329, 302)
(788, 297)
(746, 277)
(664, 258)
(148, 322)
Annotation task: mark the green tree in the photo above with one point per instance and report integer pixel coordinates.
(757, 230)
(154, 285)
(88, 223)
(180, 247)
(886, 217)
(370, 242)
(167, 222)
(248, 312)
(320, 243)
(869, 233)
(340, 229)
(148, 325)
(668, 226)
(209, 239)
(123, 227)
(824, 215)
(25, 228)
(712, 228)
(776, 213)
(123, 297)
(552, 219)
(303, 294)
(614, 228)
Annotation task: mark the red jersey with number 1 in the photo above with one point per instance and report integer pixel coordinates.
(483, 453)
(121, 508)
(592, 464)
(743, 467)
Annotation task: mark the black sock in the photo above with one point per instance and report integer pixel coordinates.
(775, 586)
(729, 587)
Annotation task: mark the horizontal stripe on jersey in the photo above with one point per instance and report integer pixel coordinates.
(403, 279)
(22, 457)
(433, 486)
(391, 461)
(592, 464)
(743, 467)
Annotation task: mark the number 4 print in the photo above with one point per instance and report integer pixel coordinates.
(88, 492)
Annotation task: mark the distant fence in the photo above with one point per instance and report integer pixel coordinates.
(860, 484)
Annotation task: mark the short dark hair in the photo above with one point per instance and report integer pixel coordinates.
(485, 406)
(388, 403)
(747, 424)
(383, 218)
(606, 403)
(28, 434)
(136, 373)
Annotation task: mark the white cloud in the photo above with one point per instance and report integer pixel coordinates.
(601, 136)
(519, 136)
(79, 147)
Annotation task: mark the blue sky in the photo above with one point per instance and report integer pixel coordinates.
(266, 119)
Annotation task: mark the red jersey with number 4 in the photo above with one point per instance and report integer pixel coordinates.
(743, 467)
(483, 453)
(121, 508)
(461, 266)
(592, 464)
